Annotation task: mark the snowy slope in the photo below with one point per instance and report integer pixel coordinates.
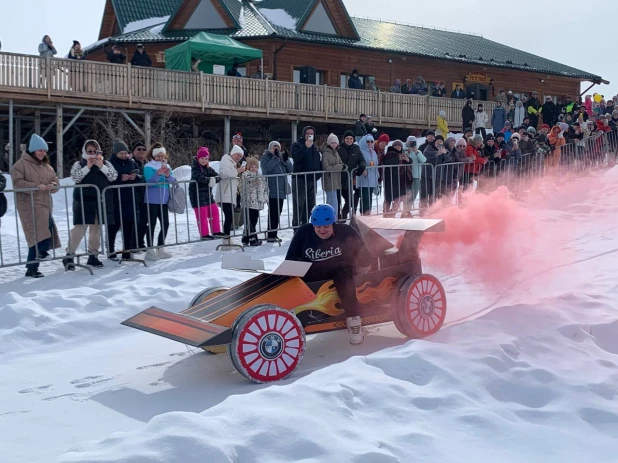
(524, 370)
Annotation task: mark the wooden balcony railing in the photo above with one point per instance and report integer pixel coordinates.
(130, 86)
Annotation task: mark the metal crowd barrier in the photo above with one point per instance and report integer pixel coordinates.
(401, 189)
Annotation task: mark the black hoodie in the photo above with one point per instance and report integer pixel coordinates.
(306, 159)
(200, 191)
(141, 59)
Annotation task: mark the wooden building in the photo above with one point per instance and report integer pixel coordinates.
(317, 42)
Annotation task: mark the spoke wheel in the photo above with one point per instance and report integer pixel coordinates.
(268, 344)
(420, 308)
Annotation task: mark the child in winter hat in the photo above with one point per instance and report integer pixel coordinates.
(37, 143)
(203, 153)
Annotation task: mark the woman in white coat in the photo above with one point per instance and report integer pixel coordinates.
(228, 188)
(520, 114)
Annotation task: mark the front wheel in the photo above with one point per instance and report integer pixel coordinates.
(268, 344)
(420, 306)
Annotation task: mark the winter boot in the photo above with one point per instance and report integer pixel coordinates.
(161, 254)
(254, 242)
(69, 263)
(93, 261)
(207, 238)
(34, 274)
(151, 254)
(355, 330)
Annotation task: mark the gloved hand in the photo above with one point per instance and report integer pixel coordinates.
(285, 156)
(212, 182)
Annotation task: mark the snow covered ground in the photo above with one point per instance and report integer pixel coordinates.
(525, 369)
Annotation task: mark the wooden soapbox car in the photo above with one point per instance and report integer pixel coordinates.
(263, 321)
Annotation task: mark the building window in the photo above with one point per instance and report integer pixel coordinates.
(343, 80)
(311, 76)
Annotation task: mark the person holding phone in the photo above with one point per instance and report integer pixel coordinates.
(307, 166)
(93, 170)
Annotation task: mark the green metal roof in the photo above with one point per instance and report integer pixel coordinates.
(128, 11)
(374, 35)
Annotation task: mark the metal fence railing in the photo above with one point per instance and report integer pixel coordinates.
(122, 221)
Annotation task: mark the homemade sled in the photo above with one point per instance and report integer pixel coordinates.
(263, 321)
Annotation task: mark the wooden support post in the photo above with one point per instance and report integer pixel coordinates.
(266, 94)
(129, 90)
(227, 135)
(379, 107)
(11, 137)
(48, 76)
(294, 131)
(59, 142)
(147, 128)
(37, 122)
(324, 101)
(202, 91)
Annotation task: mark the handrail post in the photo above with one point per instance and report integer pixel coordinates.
(379, 106)
(427, 112)
(202, 89)
(48, 75)
(129, 91)
(324, 101)
(267, 96)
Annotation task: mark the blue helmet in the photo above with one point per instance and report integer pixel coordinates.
(322, 215)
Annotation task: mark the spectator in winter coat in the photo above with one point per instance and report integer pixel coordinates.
(407, 88)
(420, 87)
(550, 112)
(396, 179)
(582, 115)
(467, 115)
(91, 170)
(526, 145)
(609, 107)
(138, 153)
(159, 173)
(520, 114)
(354, 81)
(480, 121)
(511, 114)
(501, 97)
(35, 208)
(332, 163)
(588, 105)
(360, 130)
(439, 90)
(430, 138)
(442, 124)
(498, 117)
(417, 159)
(397, 87)
(371, 84)
(116, 56)
(458, 93)
(556, 141)
(533, 108)
(351, 156)
(203, 180)
(369, 179)
(369, 125)
(76, 51)
(228, 189)
(254, 192)
(126, 209)
(459, 157)
(474, 152)
(46, 47)
(434, 152)
(140, 57)
(276, 166)
(306, 157)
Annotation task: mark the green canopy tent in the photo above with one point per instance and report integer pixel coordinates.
(211, 49)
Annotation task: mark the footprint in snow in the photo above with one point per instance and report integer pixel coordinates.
(153, 365)
(36, 390)
(72, 396)
(178, 354)
(15, 412)
(89, 381)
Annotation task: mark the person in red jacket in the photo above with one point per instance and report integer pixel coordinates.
(474, 153)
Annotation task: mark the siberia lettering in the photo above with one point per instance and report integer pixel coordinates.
(317, 255)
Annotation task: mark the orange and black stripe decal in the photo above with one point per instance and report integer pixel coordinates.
(174, 326)
(236, 296)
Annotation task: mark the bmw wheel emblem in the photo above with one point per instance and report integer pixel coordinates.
(271, 346)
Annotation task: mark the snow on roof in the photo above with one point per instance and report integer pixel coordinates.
(94, 45)
(143, 23)
(279, 18)
(241, 17)
(157, 29)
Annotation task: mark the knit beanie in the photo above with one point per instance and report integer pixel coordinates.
(430, 132)
(348, 133)
(238, 137)
(252, 162)
(274, 144)
(119, 146)
(440, 137)
(37, 143)
(332, 138)
(478, 137)
(384, 138)
(138, 144)
(443, 113)
(411, 141)
(237, 150)
(203, 153)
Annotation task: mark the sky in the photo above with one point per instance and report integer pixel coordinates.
(570, 33)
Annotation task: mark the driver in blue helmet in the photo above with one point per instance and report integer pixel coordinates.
(337, 252)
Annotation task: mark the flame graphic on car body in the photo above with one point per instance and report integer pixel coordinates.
(327, 300)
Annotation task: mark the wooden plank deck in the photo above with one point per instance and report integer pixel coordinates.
(31, 78)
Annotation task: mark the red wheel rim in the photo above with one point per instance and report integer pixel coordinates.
(270, 345)
(426, 305)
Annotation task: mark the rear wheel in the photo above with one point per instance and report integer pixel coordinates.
(206, 295)
(268, 344)
(420, 308)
